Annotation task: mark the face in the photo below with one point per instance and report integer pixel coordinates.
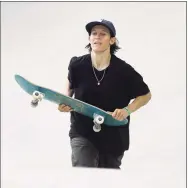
(100, 39)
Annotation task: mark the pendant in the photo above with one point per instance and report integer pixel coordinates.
(98, 83)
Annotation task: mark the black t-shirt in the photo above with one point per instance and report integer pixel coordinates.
(120, 84)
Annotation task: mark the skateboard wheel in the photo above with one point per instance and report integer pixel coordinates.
(34, 103)
(97, 128)
(37, 95)
(99, 119)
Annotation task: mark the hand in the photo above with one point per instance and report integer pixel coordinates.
(119, 114)
(64, 108)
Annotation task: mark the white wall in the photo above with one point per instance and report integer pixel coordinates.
(38, 40)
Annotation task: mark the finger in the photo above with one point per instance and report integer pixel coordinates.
(69, 109)
(60, 106)
(114, 114)
(66, 108)
(118, 115)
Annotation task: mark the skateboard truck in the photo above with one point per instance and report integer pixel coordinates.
(37, 96)
(98, 120)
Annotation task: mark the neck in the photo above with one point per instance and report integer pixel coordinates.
(100, 60)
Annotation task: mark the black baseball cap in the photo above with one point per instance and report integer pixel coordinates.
(103, 22)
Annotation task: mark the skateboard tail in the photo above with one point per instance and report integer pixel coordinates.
(30, 88)
(25, 85)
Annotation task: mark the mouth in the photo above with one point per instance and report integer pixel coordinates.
(97, 43)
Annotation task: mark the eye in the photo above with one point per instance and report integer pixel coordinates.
(93, 33)
(103, 34)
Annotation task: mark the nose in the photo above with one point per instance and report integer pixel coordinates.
(98, 36)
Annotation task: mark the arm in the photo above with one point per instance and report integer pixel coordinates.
(139, 102)
(137, 89)
(68, 89)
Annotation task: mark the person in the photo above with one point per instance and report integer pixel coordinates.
(102, 79)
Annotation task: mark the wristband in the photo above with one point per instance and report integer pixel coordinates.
(128, 111)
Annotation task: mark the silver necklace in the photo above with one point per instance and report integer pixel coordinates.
(98, 83)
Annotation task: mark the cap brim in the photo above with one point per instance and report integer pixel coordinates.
(90, 25)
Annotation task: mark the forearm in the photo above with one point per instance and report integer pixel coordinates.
(139, 102)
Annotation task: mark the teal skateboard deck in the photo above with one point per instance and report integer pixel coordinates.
(98, 115)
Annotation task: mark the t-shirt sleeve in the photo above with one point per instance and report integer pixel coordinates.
(71, 73)
(137, 86)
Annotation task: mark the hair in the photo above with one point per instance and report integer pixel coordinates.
(113, 48)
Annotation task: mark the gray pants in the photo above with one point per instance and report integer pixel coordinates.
(84, 154)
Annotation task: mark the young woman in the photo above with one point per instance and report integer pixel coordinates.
(103, 80)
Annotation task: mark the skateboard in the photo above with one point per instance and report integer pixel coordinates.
(39, 93)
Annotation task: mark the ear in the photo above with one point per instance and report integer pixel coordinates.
(112, 40)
